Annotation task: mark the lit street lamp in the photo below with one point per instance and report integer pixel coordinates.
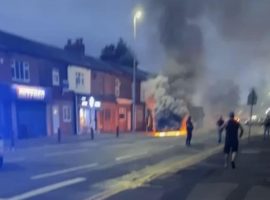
(137, 16)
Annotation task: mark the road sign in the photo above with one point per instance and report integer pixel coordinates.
(252, 98)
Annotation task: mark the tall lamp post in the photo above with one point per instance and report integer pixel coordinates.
(137, 16)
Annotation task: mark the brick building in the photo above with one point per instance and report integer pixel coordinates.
(35, 103)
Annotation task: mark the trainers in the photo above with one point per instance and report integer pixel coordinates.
(233, 165)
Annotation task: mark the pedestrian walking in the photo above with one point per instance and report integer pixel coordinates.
(232, 128)
(266, 125)
(220, 127)
(190, 127)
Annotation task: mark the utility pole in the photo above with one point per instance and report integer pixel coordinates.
(252, 100)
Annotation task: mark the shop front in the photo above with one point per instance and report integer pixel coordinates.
(107, 117)
(5, 111)
(124, 114)
(87, 111)
(30, 111)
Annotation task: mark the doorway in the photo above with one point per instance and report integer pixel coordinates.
(56, 119)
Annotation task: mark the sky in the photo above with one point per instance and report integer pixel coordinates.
(98, 22)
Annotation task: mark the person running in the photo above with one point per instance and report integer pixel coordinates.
(266, 126)
(190, 127)
(231, 141)
(220, 124)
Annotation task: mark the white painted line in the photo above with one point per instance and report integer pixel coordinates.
(64, 171)
(46, 189)
(125, 157)
(14, 160)
(61, 153)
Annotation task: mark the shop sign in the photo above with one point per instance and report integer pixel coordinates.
(92, 103)
(27, 92)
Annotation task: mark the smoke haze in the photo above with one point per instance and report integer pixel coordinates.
(215, 50)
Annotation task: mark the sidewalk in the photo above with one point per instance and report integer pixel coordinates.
(69, 139)
(209, 180)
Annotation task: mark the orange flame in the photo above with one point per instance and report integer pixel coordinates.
(181, 132)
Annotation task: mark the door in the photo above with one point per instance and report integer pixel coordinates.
(56, 119)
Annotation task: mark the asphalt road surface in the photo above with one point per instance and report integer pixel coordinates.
(89, 170)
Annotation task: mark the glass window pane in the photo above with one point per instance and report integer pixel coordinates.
(13, 72)
(26, 74)
(21, 70)
(17, 69)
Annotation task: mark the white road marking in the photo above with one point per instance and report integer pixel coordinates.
(46, 189)
(64, 171)
(14, 160)
(125, 157)
(55, 154)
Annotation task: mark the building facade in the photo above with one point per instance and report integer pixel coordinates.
(45, 90)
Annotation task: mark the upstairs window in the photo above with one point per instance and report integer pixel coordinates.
(55, 77)
(79, 79)
(20, 71)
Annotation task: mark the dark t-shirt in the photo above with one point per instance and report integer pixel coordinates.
(220, 122)
(232, 128)
(189, 125)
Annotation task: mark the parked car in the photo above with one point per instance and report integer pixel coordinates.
(257, 122)
(1, 151)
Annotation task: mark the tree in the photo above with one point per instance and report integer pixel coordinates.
(120, 54)
(108, 53)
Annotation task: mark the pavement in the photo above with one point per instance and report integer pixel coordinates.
(209, 180)
(69, 139)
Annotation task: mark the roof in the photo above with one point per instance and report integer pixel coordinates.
(141, 74)
(11, 42)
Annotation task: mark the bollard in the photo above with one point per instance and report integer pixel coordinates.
(92, 133)
(59, 136)
(117, 131)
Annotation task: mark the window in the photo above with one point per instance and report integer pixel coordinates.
(79, 79)
(20, 71)
(122, 113)
(107, 115)
(66, 113)
(55, 77)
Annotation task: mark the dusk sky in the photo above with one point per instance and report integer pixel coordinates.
(99, 22)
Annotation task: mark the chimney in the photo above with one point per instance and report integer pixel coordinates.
(76, 48)
(68, 46)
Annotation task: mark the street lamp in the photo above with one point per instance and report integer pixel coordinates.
(137, 16)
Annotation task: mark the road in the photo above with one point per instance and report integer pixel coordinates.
(210, 180)
(96, 169)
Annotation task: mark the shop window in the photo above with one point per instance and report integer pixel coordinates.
(55, 77)
(66, 113)
(107, 115)
(20, 71)
(122, 113)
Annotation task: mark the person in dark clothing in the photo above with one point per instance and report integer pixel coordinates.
(231, 141)
(190, 127)
(266, 126)
(220, 124)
